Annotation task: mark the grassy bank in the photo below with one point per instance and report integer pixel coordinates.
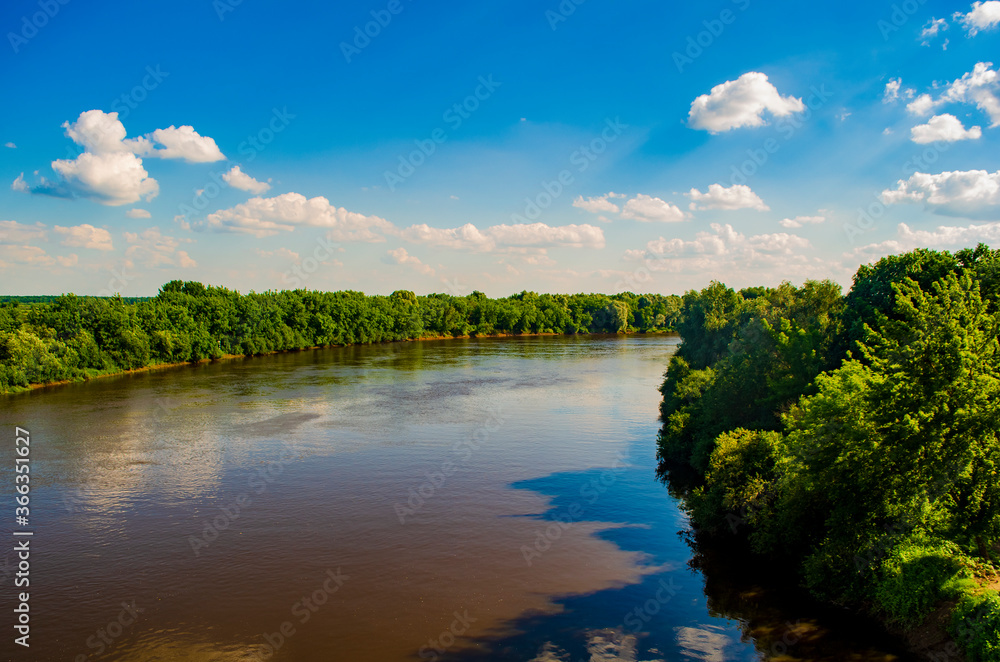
(70, 338)
(854, 438)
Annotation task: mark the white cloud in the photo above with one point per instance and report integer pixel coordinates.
(33, 255)
(737, 196)
(263, 217)
(970, 193)
(12, 232)
(400, 256)
(110, 170)
(284, 253)
(946, 128)
(984, 16)
(723, 249)
(778, 242)
(24, 255)
(239, 179)
(894, 91)
(506, 237)
(10, 145)
(151, 248)
(85, 236)
(184, 143)
(978, 87)
(467, 237)
(646, 208)
(115, 178)
(540, 235)
(601, 203)
(800, 221)
(944, 236)
(103, 133)
(921, 106)
(931, 30)
(739, 103)
(107, 171)
(138, 213)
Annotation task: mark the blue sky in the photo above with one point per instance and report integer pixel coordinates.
(553, 146)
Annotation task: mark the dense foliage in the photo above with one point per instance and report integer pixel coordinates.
(855, 437)
(71, 337)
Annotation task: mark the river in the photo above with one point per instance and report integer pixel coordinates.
(491, 499)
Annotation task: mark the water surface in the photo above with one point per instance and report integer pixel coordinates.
(490, 499)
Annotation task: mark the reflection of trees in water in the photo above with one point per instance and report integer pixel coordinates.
(779, 617)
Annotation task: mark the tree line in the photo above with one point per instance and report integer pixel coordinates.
(70, 337)
(853, 438)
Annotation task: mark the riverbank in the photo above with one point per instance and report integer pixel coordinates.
(71, 338)
(232, 357)
(853, 439)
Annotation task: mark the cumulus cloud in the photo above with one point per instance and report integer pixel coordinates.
(801, 221)
(262, 217)
(741, 102)
(110, 170)
(138, 213)
(943, 237)
(724, 240)
(85, 236)
(921, 106)
(978, 87)
(467, 237)
(103, 133)
(599, 204)
(151, 248)
(114, 178)
(946, 128)
(400, 256)
(725, 249)
(184, 142)
(737, 196)
(969, 193)
(10, 145)
(646, 208)
(506, 237)
(33, 256)
(12, 232)
(984, 16)
(239, 179)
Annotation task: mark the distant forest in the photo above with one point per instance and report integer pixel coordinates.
(853, 438)
(50, 339)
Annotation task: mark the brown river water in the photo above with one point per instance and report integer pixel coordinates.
(491, 499)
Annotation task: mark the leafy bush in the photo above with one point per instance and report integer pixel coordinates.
(976, 625)
(917, 575)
